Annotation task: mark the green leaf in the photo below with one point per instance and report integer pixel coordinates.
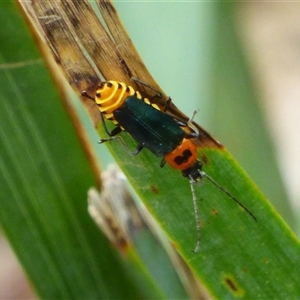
(237, 256)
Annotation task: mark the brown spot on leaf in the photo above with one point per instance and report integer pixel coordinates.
(154, 189)
(215, 212)
(204, 159)
(231, 283)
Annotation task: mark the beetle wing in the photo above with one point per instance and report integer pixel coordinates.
(150, 127)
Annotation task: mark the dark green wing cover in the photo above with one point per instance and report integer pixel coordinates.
(150, 127)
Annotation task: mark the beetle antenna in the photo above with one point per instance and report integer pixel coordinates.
(197, 218)
(137, 80)
(203, 174)
(191, 125)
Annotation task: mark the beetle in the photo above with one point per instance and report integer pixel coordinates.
(157, 131)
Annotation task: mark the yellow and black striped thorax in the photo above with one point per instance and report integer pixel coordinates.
(111, 95)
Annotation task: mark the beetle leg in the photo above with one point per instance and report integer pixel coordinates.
(162, 163)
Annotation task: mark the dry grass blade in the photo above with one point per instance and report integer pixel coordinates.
(58, 31)
(96, 42)
(124, 44)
